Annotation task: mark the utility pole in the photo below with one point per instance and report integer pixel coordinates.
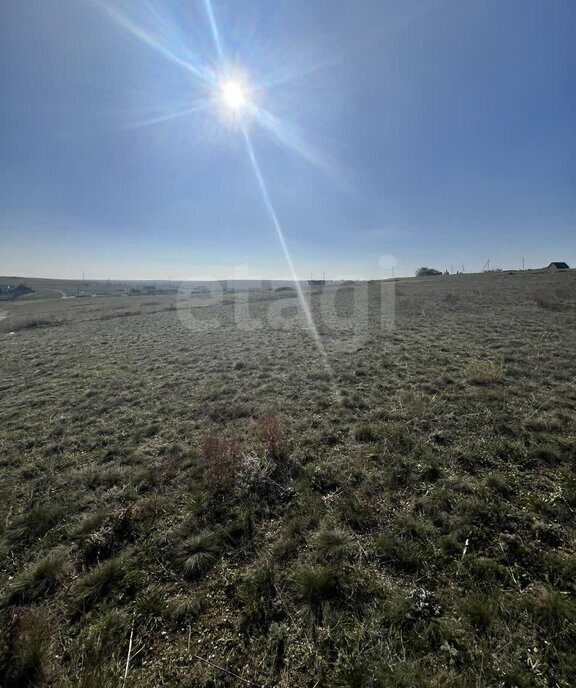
(522, 262)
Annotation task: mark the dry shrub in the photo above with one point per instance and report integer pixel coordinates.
(221, 458)
(273, 429)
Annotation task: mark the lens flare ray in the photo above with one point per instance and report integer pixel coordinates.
(215, 32)
(150, 40)
(278, 227)
(169, 116)
(291, 139)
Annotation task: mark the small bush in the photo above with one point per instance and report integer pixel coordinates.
(546, 454)
(257, 480)
(273, 430)
(399, 474)
(431, 472)
(451, 299)
(486, 570)
(221, 458)
(28, 322)
(113, 533)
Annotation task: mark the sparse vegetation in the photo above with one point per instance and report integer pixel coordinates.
(427, 272)
(405, 521)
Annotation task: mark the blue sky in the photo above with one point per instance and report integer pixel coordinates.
(421, 132)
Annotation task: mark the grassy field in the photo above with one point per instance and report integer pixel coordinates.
(221, 506)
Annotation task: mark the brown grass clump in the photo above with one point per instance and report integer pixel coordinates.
(221, 458)
(273, 429)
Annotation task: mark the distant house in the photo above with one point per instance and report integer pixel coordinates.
(316, 283)
(558, 266)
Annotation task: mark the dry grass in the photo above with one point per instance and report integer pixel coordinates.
(407, 522)
(221, 458)
(482, 372)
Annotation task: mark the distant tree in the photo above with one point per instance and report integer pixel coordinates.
(9, 292)
(427, 272)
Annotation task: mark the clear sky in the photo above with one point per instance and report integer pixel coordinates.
(413, 132)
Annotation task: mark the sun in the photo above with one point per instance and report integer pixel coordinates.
(234, 96)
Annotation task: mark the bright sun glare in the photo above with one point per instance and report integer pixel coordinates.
(234, 95)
